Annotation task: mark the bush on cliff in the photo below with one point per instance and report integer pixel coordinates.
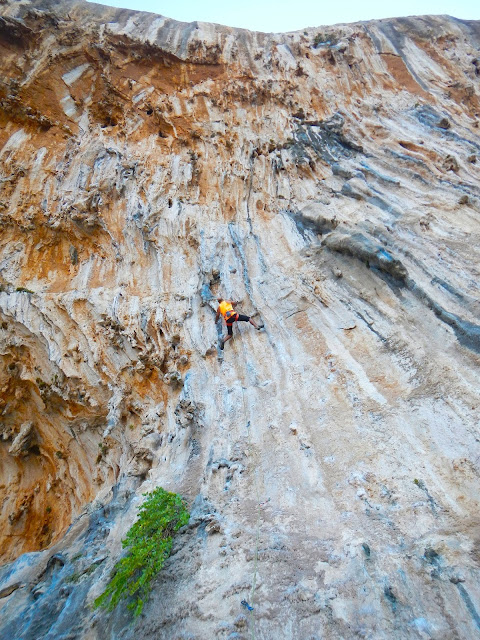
(149, 543)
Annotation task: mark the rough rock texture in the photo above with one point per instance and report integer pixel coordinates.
(328, 179)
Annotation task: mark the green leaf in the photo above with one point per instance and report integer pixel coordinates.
(149, 543)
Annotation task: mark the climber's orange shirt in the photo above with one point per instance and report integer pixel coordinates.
(225, 306)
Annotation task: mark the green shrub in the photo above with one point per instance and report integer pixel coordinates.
(149, 543)
(329, 39)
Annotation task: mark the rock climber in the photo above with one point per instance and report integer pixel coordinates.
(226, 309)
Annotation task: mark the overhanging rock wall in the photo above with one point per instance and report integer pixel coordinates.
(329, 180)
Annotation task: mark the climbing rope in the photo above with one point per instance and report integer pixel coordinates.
(250, 607)
(244, 603)
(255, 558)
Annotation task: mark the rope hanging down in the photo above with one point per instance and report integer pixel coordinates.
(250, 607)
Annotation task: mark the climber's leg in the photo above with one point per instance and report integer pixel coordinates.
(241, 318)
(229, 336)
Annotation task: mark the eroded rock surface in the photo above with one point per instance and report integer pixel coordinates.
(328, 179)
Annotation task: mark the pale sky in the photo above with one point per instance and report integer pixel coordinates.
(291, 15)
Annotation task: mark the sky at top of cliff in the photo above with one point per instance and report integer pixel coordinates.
(287, 15)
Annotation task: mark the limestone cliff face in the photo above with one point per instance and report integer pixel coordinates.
(329, 180)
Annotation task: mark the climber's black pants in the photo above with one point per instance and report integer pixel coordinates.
(239, 318)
